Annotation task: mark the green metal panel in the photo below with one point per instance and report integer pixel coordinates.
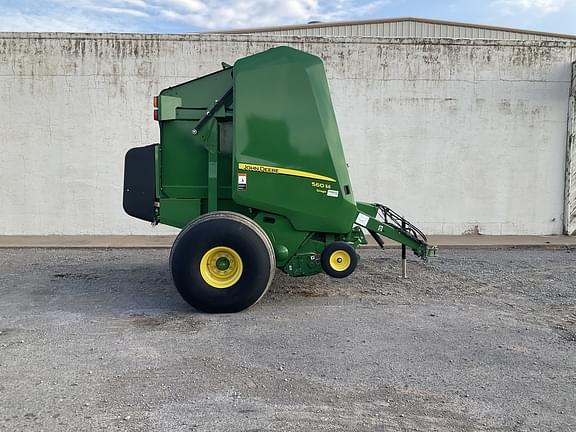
(188, 171)
(178, 212)
(286, 240)
(286, 142)
(184, 157)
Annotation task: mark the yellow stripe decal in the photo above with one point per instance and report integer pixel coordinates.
(285, 171)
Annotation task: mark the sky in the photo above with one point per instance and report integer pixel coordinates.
(180, 16)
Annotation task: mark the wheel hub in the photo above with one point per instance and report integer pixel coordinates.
(222, 263)
(340, 260)
(221, 267)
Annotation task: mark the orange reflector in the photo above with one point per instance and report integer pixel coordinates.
(155, 101)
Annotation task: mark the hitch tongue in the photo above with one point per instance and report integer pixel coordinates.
(380, 220)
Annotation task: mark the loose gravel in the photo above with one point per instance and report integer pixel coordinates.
(474, 340)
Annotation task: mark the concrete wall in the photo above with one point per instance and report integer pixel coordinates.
(460, 136)
(570, 212)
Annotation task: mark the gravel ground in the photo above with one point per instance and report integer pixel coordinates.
(474, 340)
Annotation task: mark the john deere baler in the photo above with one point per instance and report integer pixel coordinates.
(251, 167)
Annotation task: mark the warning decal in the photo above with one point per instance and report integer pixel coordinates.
(242, 181)
(362, 219)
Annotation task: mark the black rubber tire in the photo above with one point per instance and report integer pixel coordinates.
(232, 230)
(334, 247)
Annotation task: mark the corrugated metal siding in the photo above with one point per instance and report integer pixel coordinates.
(404, 29)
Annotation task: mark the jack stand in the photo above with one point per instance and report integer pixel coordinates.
(404, 272)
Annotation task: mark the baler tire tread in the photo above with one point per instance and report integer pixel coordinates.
(177, 270)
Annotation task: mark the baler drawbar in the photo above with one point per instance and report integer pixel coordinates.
(386, 222)
(250, 165)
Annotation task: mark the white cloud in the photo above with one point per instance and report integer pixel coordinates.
(195, 15)
(229, 14)
(222, 14)
(77, 16)
(137, 3)
(16, 22)
(188, 5)
(119, 11)
(509, 7)
(351, 9)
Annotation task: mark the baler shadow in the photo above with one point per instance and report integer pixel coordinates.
(114, 289)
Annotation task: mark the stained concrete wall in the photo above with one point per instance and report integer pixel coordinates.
(570, 212)
(460, 136)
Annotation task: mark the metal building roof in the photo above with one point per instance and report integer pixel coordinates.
(405, 27)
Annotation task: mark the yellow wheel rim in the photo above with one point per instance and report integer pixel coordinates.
(221, 267)
(340, 260)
